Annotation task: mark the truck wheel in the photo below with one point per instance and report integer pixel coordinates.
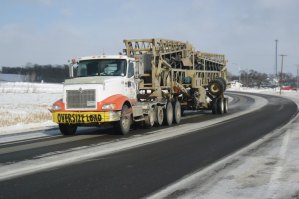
(168, 114)
(177, 112)
(68, 129)
(159, 115)
(124, 124)
(149, 120)
(216, 87)
(220, 106)
(225, 101)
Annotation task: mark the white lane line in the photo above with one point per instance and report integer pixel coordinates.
(32, 166)
(46, 143)
(19, 137)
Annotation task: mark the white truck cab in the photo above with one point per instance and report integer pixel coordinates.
(103, 90)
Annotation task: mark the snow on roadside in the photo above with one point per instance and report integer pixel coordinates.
(24, 106)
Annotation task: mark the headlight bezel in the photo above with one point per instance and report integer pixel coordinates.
(110, 106)
(56, 107)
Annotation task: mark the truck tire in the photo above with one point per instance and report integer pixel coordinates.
(216, 87)
(159, 115)
(220, 106)
(149, 120)
(168, 114)
(124, 124)
(177, 112)
(215, 106)
(223, 82)
(68, 129)
(225, 101)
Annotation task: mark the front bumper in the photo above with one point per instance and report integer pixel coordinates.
(71, 117)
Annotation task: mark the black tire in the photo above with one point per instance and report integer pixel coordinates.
(216, 87)
(168, 114)
(215, 106)
(177, 115)
(225, 105)
(159, 115)
(68, 129)
(124, 124)
(220, 106)
(223, 82)
(149, 119)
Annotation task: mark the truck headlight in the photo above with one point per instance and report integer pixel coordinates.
(55, 107)
(108, 106)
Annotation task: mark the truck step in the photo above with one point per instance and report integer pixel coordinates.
(138, 119)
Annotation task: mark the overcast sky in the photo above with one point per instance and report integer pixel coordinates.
(53, 31)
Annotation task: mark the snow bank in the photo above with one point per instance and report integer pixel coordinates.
(26, 87)
(24, 106)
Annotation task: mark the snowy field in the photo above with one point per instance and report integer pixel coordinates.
(24, 106)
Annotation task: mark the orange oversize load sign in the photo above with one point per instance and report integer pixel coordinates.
(80, 117)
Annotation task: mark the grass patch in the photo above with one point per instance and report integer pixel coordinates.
(14, 118)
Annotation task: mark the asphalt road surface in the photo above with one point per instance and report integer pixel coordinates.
(143, 170)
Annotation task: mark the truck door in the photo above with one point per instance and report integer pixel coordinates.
(131, 85)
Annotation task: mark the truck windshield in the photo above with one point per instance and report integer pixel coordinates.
(102, 67)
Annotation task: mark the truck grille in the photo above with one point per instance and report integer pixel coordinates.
(80, 98)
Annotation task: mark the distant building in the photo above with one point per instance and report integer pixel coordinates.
(12, 78)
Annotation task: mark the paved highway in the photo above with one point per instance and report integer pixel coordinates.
(140, 170)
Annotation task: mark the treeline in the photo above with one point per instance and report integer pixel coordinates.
(252, 78)
(38, 73)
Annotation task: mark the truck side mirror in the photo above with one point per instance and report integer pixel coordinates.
(72, 63)
(71, 70)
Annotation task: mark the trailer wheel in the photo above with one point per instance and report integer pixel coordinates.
(168, 114)
(124, 124)
(159, 115)
(216, 87)
(220, 106)
(225, 101)
(215, 106)
(68, 129)
(149, 120)
(177, 112)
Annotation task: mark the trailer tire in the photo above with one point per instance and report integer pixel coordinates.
(68, 129)
(215, 106)
(177, 115)
(225, 101)
(149, 119)
(124, 124)
(168, 114)
(159, 115)
(216, 87)
(220, 106)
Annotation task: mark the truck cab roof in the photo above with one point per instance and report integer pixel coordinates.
(104, 57)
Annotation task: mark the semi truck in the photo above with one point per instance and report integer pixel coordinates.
(151, 83)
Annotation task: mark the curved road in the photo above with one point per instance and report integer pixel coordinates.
(142, 170)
